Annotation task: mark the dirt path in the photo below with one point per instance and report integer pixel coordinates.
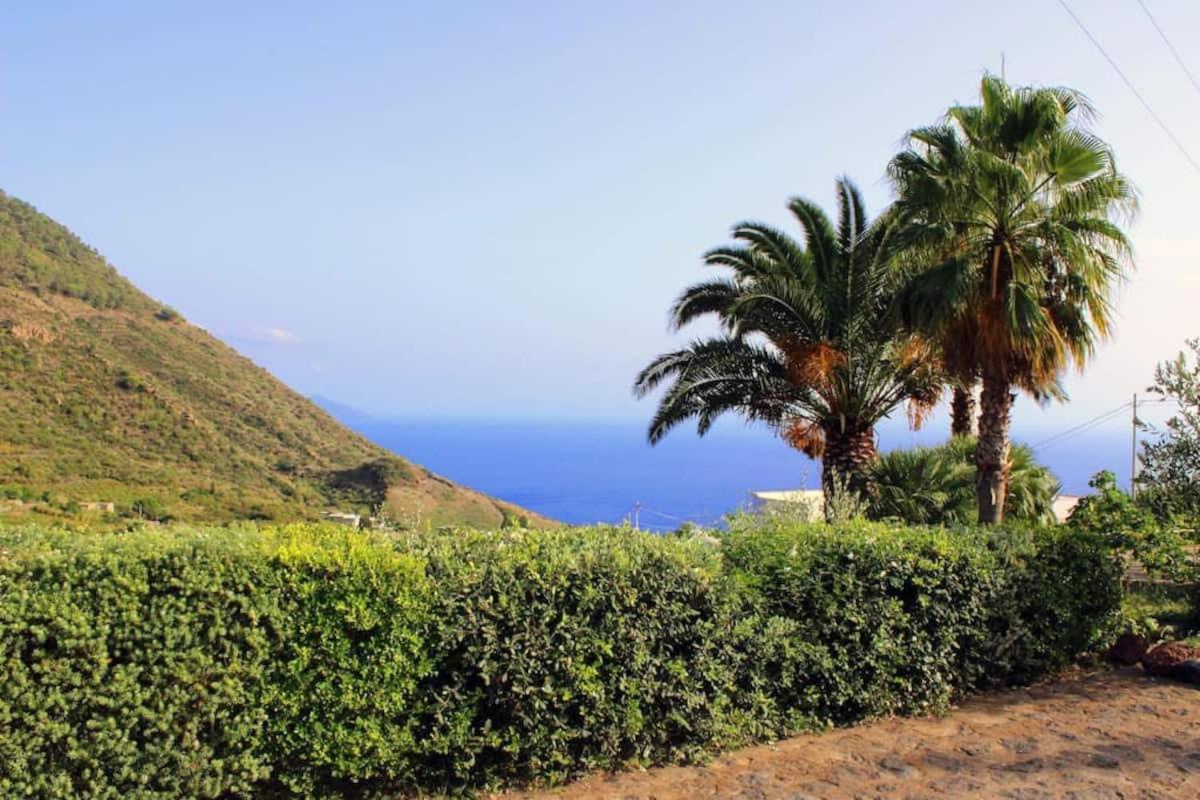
(1103, 735)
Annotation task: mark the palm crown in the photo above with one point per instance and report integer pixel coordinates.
(1012, 203)
(810, 343)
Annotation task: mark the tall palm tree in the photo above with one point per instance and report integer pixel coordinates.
(810, 343)
(1017, 204)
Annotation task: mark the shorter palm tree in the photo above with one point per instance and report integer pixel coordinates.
(810, 343)
(936, 485)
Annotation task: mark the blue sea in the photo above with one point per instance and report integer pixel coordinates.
(597, 471)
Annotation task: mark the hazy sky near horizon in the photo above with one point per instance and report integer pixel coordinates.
(485, 208)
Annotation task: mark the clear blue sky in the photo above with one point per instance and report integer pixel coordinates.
(485, 208)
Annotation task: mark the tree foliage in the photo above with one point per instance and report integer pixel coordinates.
(1132, 527)
(810, 345)
(1170, 474)
(1011, 207)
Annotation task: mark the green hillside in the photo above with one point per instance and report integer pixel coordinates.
(109, 397)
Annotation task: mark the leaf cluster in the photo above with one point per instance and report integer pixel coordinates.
(811, 339)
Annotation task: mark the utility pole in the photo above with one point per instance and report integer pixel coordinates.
(1133, 454)
(636, 514)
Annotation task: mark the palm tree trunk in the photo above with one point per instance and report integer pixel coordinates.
(962, 411)
(991, 452)
(849, 454)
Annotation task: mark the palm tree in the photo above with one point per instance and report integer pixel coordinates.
(1016, 204)
(811, 344)
(936, 485)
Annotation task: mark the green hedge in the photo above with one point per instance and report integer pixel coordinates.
(199, 664)
(314, 661)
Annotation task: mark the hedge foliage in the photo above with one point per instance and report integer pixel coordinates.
(313, 661)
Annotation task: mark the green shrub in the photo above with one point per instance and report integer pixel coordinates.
(132, 666)
(923, 486)
(313, 661)
(199, 664)
(130, 382)
(1133, 527)
(343, 675)
(1059, 594)
(574, 649)
(936, 486)
(910, 617)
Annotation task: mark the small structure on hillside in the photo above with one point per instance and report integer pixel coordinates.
(343, 518)
(104, 506)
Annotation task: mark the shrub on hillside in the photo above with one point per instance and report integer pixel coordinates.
(317, 661)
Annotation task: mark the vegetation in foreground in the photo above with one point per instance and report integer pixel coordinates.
(107, 397)
(314, 661)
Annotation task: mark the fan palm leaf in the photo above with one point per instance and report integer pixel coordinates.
(1011, 206)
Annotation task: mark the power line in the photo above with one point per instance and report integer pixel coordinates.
(1085, 426)
(1171, 47)
(1195, 164)
(1100, 419)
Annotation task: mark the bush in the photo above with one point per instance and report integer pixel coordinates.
(197, 664)
(907, 618)
(568, 650)
(132, 666)
(344, 675)
(318, 661)
(1131, 526)
(130, 382)
(936, 486)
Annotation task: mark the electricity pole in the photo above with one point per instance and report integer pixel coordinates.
(1133, 454)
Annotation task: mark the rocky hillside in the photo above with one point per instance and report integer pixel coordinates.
(108, 397)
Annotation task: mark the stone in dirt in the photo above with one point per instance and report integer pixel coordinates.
(1023, 746)
(1163, 659)
(1128, 649)
(895, 765)
(1187, 671)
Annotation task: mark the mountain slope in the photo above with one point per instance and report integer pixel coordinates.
(107, 396)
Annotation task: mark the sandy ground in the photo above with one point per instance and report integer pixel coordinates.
(1100, 735)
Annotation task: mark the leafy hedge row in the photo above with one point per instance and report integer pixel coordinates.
(312, 661)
